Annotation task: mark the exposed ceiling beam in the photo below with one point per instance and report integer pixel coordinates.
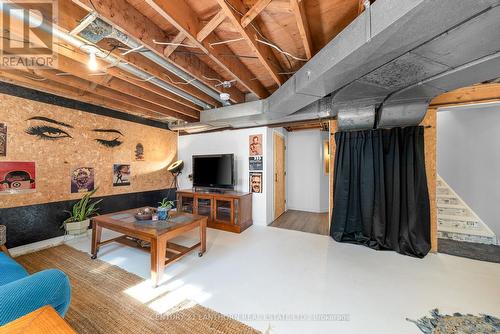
(469, 95)
(264, 53)
(132, 22)
(72, 10)
(19, 78)
(181, 16)
(361, 6)
(210, 26)
(178, 39)
(101, 91)
(279, 6)
(150, 100)
(258, 7)
(75, 63)
(303, 25)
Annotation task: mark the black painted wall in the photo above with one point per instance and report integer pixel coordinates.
(27, 224)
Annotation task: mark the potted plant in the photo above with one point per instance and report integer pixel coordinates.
(83, 210)
(163, 209)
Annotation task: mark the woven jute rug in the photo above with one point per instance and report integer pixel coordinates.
(100, 305)
(457, 324)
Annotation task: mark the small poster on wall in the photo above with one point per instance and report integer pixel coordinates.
(3, 140)
(17, 177)
(256, 182)
(139, 152)
(255, 145)
(256, 163)
(82, 179)
(121, 175)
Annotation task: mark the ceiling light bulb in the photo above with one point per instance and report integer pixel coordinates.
(92, 62)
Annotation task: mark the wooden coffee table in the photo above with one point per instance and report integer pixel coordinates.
(157, 233)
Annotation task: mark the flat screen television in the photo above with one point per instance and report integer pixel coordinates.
(214, 171)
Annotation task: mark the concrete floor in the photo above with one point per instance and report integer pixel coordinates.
(266, 274)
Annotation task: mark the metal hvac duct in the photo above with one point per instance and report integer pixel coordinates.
(99, 29)
(394, 58)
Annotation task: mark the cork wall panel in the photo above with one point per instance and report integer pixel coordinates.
(81, 146)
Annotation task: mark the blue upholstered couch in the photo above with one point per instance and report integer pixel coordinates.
(21, 293)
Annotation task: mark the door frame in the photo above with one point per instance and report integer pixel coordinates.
(275, 134)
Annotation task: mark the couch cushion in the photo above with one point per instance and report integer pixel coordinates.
(10, 270)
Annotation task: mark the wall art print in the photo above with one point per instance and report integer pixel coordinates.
(50, 129)
(17, 177)
(255, 145)
(256, 182)
(139, 152)
(3, 139)
(121, 175)
(82, 179)
(256, 163)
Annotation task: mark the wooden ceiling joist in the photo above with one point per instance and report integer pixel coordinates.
(75, 63)
(152, 101)
(176, 42)
(103, 92)
(252, 13)
(71, 10)
(182, 17)
(69, 91)
(263, 52)
(128, 19)
(303, 25)
(210, 26)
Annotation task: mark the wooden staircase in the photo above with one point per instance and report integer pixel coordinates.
(457, 221)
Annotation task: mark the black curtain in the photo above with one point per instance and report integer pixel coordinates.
(380, 190)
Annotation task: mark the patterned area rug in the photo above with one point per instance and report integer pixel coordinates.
(457, 324)
(99, 303)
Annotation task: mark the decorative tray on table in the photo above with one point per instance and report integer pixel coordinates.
(145, 214)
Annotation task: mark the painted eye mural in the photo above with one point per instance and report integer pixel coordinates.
(50, 129)
(110, 137)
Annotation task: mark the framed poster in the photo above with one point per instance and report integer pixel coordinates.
(256, 163)
(82, 179)
(255, 145)
(17, 177)
(3, 140)
(139, 152)
(121, 175)
(256, 182)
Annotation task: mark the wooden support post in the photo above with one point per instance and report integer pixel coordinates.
(430, 169)
(333, 149)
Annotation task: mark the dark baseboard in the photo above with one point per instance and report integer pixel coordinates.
(32, 223)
